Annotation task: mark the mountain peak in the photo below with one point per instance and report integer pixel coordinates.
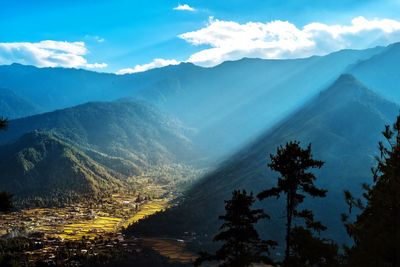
(347, 87)
(346, 82)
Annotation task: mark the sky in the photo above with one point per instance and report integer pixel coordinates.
(122, 36)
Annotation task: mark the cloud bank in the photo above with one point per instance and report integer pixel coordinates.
(229, 40)
(156, 63)
(184, 7)
(47, 54)
(220, 40)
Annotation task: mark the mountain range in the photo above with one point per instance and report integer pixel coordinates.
(228, 104)
(229, 117)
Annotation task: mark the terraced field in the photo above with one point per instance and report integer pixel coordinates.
(171, 249)
(84, 220)
(90, 229)
(146, 210)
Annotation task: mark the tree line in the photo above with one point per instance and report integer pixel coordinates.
(374, 231)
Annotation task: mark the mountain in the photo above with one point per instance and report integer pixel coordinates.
(344, 125)
(129, 129)
(41, 164)
(100, 144)
(56, 88)
(13, 106)
(381, 72)
(236, 101)
(228, 104)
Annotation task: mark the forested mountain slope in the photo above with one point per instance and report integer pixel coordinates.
(344, 125)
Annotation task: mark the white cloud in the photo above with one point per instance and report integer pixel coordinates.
(184, 7)
(229, 40)
(156, 63)
(96, 65)
(95, 38)
(47, 54)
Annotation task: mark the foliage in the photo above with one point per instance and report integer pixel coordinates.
(6, 203)
(5, 197)
(242, 245)
(293, 163)
(375, 231)
(3, 123)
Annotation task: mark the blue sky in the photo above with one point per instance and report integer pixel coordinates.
(121, 34)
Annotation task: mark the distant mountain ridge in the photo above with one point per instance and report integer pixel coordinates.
(57, 88)
(225, 103)
(381, 72)
(15, 106)
(236, 101)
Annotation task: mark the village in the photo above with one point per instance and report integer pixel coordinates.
(92, 229)
(81, 230)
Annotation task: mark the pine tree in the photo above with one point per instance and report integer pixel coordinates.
(5, 202)
(376, 232)
(3, 123)
(5, 198)
(293, 163)
(242, 245)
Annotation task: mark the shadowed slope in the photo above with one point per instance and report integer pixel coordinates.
(343, 124)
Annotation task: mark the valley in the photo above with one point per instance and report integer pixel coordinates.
(95, 226)
(140, 174)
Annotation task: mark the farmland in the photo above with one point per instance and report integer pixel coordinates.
(93, 227)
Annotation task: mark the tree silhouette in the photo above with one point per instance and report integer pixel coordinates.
(376, 232)
(3, 123)
(293, 163)
(5, 198)
(5, 202)
(242, 245)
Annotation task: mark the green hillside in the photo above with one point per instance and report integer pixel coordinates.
(128, 129)
(90, 148)
(41, 164)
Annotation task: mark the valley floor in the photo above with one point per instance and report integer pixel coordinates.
(89, 231)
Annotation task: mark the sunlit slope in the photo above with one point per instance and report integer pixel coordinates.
(236, 101)
(41, 164)
(381, 73)
(129, 129)
(343, 124)
(91, 148)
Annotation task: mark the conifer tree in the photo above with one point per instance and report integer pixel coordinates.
(376, 232)
(3, 123)
(242, 245)
(5, 202)
(5, 198)
(295, 181)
